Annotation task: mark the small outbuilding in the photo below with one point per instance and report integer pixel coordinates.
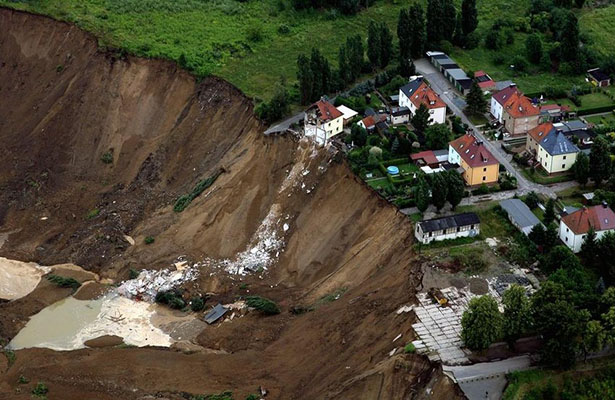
(215, 314)
(598, 78)
(520, 215)
(451, 227)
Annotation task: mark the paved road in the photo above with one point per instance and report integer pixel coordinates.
(486, 380)
(443, 87)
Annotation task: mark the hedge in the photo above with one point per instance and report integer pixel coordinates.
(595, 110)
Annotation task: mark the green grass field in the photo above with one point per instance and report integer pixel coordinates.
(255, 44)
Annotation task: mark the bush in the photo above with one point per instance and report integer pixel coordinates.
(197, 304)
(263, 305)
(64, 282)
(149, 240)
(481, 190)
(184, 201)
(93, 214)
(409, 348)
(107, 157)
(172, 298)
(133, 273)
(283, 29)
(40, 390)
(255, 34)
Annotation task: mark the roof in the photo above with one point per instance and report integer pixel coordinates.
(411, 87)
(520, 106)
(541, 131)
(434, 53)
(575, 125)
(601, 218)
(425, 95)
(215, 314)
(458, 74)
(373, 120)
(347, 112)
(428, 156)
(444, 60)
(557, 143)
(453, 221)
(520, 213)
(504, 95)
(598, 75)
(327, 110)
(397, 111)
(465, 83)
(484, 81)
(472, 151)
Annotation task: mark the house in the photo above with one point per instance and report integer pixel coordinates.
(347, 114)
(536, 135)
(323, 121)
(519, 115)
(374, 122)
(417, 92)
(452, 227)
(574, 227)
(484, 81)
(499, 99)
(553, 112)
(478, 164)
(556, 153)
(399, 115)
(520, 215)
(598, 78)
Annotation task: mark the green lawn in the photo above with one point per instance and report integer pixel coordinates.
(595, 100)
(492, 224)
(540, 176)
(604, 119)
(379, 183)
(599, 25)
(407, 168)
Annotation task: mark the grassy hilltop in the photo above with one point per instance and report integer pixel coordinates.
(253, 44)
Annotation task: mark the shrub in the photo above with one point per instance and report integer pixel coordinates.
(64, 282)
(255, 34)
(185, 200)
(482, 189)
(149, 240)
(10, 356)
(107, 157)
(40, 390)
(197, 304)
(263, 305)
(23, 380)
(133, 273)
(409, 348)
(283, 29)
(93, 213)
(172, 298)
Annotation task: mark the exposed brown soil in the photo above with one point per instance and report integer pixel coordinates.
(65, 103)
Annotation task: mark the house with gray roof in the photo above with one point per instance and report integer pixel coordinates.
(556, 153)
(520, 215)
(447, 228)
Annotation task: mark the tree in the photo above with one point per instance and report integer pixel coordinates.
(278, 107)
(343, 66)
(581, 168)
(551, 237)
(459, 36)
(589, 248)
(481, 323)
(404, 34)
(358, 135)
(355, 53)
(517, 314)
(476, 102)
(449, 19)
(305, 78)
(600, 160)
(606, 250)
(418, 33)
(549, 212)
(406, 67)
(533, 48)
(538, 235)
(437, 136)
(439, 190)
(386, 45)
(469, 16)
(420, 119)
(532, 200)
(373, 44)
(421, 194)
(456, 188)
(594, 338)
(434, 21)
(321, 73)
(570, 38)
(559, 257)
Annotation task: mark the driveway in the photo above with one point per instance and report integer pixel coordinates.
(444, 88)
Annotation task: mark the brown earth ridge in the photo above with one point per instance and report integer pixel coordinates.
(65, 103)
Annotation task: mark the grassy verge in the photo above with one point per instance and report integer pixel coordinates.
(539, 176)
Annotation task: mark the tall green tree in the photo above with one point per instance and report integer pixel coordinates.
(418, 33)
(373, 44)
(356, 56)
(517, 314)
(406, 67)
(449, 19)
(533, 48)
(581, 168)
(434, 21)
(439, 190)
(570, 38)
(420, 119)
(305, 78)
(459, 36)
(549, 215)
(606, 249)
(590, 250)
(437, 136)
(404, 34)
(600, 160)
(538, 235)
(481, 323)
(456, 188)
(421, 194)
(344, 68)
(469, 16)
(475, 100)
(386, 45)
(358, 135)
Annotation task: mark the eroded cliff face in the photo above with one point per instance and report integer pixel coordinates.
(66, 103)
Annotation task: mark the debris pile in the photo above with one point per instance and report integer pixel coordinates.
(149, 282)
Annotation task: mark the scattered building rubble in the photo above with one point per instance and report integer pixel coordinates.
(215, 314)
(149, 283)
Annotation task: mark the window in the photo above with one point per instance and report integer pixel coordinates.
(566, 238)
(471, 226)
(567, 230)
(563, 166)
(485, 169)
(484, 178)
(564, 157)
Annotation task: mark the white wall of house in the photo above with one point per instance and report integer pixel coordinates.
(400, 119)
(572, 240)
(452, 233)
(453, 156)
(437, 115)
(334, 127)
(404, 101)
(554, 164)
(496, 109)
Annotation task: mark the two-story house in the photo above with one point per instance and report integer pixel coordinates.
(478, 164)
(573, 227)
(417, 92)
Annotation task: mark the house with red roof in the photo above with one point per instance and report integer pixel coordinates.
(519, 115)
(484, 81)
(417, 92)
(499, 99)
(477, 162)
(536, 135)
(573, 227)
(323, 121)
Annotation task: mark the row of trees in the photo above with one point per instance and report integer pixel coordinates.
(597, 166)
(441, 187)
(347, 7)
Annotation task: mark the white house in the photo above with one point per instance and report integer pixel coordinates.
(451, 227)
(573, 227)
(323, 121)
(556, 153)
(399, 115)
(499, 99)
(415, 93)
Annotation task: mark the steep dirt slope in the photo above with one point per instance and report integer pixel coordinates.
(66, 103)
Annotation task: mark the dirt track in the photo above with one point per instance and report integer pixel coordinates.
(66, 102)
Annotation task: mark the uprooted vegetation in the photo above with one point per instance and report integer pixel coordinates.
(263, 305)
(64, 282)
(184, 201)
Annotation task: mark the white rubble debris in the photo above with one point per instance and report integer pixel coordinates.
(149, 283)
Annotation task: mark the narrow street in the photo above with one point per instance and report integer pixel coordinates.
(443, 87)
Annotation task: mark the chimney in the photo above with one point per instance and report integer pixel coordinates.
(605, 205)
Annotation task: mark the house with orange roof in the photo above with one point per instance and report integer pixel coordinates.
(477, 162)
(323, 121)
(499, 99)
(573, 227)
(536, 135)
(417, 92)
(519, 114)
